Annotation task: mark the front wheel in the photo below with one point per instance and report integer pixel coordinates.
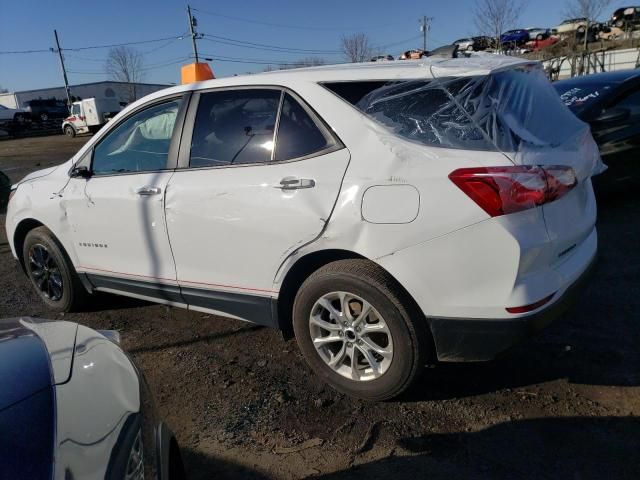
(358, 330)
(51, 272)
(69, 131)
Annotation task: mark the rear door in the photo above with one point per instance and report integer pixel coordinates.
(260, 176)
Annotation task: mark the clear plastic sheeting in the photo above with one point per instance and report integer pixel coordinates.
(512, 110)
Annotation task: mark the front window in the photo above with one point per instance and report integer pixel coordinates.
(75, 110)
(140, 143)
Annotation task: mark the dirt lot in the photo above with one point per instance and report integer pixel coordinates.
(244, 405)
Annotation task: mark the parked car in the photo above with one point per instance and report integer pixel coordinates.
(12, 119)
(625, 18)
(43, 110)
(357, 206)
(475, 44)
(514, 38)
(538, 33)
(382, 58)
(570, 26)
(610, 104)
(74, 405)
(414, 54)
(464, 44)
(536, 45)
(611, 33)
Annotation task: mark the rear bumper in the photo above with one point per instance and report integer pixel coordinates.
(482, 339)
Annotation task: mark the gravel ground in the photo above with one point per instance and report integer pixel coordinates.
(244, 405)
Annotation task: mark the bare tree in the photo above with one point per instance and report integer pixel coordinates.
(357, 47)
(494, 17)
(124, 64)
(589, 9)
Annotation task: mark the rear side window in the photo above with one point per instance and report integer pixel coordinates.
(424, 111)
(507, 111)
(298, 135)
(234, 127)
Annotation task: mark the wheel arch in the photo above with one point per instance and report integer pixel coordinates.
(309, 263)
(20, 234)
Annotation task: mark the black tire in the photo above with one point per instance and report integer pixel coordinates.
(408, 327)
(539, 37)
(73, 295)
(69, 131)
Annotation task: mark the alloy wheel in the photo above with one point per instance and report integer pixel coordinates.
(45, 272)
(350, 336)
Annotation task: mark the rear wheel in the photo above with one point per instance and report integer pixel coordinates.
(51, 271)
(358, 331)
(69, 131)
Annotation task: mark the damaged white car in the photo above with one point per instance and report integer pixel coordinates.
(388, 214)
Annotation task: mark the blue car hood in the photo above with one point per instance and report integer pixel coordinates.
(34, 355)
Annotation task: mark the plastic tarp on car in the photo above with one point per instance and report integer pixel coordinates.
(487, 104)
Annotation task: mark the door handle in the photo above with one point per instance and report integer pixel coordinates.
(295, 183)
(146, 191)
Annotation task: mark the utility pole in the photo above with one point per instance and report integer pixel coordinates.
(64, 70)
(425, 24)
(193, 23)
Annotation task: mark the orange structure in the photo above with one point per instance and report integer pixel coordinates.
(195, 72)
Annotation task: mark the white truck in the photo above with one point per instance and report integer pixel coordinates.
(89, 115)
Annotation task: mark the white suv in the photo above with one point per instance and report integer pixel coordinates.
(388, 214)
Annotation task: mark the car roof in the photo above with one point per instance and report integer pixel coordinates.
(618, 76)
(476, 64)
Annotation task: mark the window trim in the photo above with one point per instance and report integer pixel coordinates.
(175, 136)
(189, 124)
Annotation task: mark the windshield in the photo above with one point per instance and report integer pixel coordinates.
(580, 95)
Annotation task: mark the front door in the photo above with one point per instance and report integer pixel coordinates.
(117, 215)
(262, 174)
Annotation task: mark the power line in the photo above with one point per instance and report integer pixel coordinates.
(90, 47)
(282, 25)
(264, 46)
(394, 44)
(153, 66)
(224, 58)
(155, 40)
(48, 50)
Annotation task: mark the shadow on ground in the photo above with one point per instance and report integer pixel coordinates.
(567, 448)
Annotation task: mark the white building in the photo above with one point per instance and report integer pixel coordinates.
(124, 92)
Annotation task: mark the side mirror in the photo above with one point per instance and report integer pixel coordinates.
(80, 172)
(615, 114)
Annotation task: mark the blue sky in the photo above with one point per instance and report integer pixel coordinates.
(312, 25)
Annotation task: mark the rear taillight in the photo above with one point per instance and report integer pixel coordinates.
(531, 307)
(503, 190)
